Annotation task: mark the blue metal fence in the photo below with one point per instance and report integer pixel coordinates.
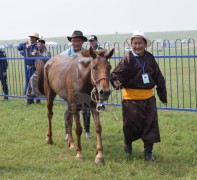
(176, 59)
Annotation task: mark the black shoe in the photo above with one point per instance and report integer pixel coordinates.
(149, 157)
(30, 101)
(38, 101)
(128, 148)
(5, 98)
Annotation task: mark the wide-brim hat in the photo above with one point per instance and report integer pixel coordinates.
(76, 34)
(36, 35)
(141, 35)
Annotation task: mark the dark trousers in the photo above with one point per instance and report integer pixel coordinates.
(140, 121)
(86, 120)
(3, 80)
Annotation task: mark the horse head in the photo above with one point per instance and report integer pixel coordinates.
(100, 73)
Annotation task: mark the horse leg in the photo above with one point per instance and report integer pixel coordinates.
(50, 97)
(78, 132)
(69, 119)
(99, 149)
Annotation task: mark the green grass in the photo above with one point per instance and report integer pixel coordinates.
(24, 153)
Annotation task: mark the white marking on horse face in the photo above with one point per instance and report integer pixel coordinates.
(80, 66)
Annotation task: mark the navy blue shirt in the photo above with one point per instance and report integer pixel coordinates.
(22, 48)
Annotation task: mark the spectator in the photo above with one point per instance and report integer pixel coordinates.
(26, 50)
(137, 74)
(32, 89)
(94, 43)
(3, 73)
(77, 39)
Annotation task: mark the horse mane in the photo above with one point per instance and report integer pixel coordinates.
(86, 53)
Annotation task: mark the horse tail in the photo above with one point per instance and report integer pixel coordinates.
(40, 80)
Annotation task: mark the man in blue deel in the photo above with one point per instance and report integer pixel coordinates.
(27, 50)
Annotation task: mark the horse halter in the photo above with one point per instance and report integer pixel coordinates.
(94, 93)
(98, 80)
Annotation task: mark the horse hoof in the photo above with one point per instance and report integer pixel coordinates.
(79, 157)
(99, 160)
(71, 146)
(49, 140)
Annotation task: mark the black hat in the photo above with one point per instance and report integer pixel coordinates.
(77, 34)
(41, 40)
(92, 38)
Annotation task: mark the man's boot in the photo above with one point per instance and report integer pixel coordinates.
(128, 147)
(148, 156)
(30, 100)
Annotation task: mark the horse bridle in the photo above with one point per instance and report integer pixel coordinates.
(94, 92)
(99, 79)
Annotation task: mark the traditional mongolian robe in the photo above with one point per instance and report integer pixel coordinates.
(139, 75)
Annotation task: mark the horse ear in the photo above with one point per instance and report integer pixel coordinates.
(109, 55)
(92, 53)
(85, 53)
(101, 52)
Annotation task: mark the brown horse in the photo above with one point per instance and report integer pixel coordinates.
(81, 81)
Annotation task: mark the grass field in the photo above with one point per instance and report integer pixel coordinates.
(25, 155)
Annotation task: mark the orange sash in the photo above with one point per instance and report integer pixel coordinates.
(137, 94)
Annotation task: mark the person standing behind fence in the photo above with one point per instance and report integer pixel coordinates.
(32, 89)
(3, 73)
(77, 39)
(26, 50)
(137, 74)
(94, 43)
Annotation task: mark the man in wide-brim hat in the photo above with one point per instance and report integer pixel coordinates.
(26, 50)
(77, 39)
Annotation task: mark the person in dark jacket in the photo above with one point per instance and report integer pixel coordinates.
(26, 50)
(3, 73)
(137, 74)
(94, 43)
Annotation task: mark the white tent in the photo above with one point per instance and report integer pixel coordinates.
(51, 44)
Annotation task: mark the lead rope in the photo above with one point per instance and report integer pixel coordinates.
(99, 105)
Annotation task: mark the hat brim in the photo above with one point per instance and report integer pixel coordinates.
(82, 37)
(34, 37)
(148, 41)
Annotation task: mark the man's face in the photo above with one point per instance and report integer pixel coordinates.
(93, 43)
(77, 43)
(33, 40)
(138, 45)
(40, 45)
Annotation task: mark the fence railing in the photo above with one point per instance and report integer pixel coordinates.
(176, 59)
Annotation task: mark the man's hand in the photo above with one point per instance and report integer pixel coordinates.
(34, 52)
(27, 46)
(117, 84)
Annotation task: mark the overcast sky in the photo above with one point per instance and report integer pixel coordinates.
(54, 18)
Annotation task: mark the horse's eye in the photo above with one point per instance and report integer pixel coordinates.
(94, 67)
